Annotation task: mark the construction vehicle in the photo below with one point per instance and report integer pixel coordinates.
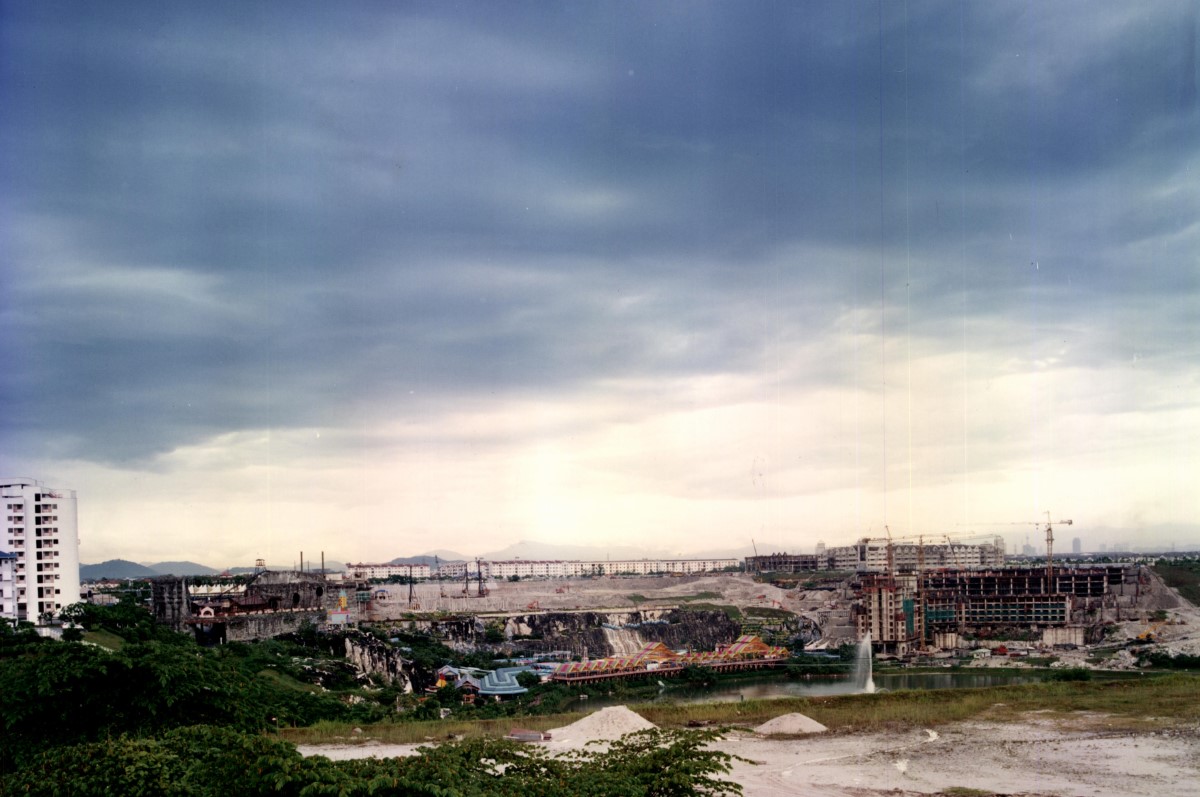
(1151, 633)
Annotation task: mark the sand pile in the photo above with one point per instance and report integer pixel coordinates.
(605, 725)
(790, 724)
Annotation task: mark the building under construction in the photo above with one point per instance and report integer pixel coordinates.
(910, 611)
(786, 563)
(880, 555)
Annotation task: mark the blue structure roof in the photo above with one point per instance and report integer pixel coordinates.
(503, 682)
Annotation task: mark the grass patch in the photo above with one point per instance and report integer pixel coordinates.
(699, 596)
(1127, 702)
(105, 639)
(769, 613)
(732, 612)
(288, 682)
(965, 791)
(706, 595)
(1183, 576)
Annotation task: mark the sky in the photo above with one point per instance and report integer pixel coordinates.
(379, 278)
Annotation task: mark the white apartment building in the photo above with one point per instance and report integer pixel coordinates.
(386, 570)
(41, 531)
(646, 567)
(8, 596)
(872, 555)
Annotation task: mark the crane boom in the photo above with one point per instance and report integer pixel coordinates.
(1049, 542)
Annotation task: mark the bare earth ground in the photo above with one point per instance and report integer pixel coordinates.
(829, 609)
(1028, 758)
(1036, 756)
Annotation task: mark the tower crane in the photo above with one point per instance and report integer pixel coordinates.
(1049, 551)
(1049, 524)
(891, 558)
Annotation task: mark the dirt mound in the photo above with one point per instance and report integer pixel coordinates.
(790, 724)
(607, 724)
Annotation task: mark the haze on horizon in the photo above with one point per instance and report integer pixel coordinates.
(376, 279)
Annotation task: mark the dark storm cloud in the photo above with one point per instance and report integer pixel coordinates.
(238, 216)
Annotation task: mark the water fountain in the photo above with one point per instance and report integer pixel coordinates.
(863, 681)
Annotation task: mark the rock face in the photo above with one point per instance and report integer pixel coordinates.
(599, 634)
(369, 655)
(592, 634)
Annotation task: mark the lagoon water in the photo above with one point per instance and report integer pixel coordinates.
(759, 688)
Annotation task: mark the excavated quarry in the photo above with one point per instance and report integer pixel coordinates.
(615, 616)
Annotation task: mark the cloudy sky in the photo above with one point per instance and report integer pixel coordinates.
(378, 278)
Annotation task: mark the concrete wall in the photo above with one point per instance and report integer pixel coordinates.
(1066, 635)
(248, 627)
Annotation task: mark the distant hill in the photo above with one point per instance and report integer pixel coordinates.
(526, 549)
(123, 568)
(424, 559)
(447, 556)
(182, 569)
(115, 568)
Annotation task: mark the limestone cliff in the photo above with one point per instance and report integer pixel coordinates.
(369, 655)
(599, 634)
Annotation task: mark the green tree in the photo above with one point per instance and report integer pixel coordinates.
(18, 637)
(658, 763)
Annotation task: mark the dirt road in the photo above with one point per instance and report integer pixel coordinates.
(1037, 756)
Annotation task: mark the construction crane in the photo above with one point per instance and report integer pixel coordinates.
(953, 552)
(1049, 542)
(1050, 550)
(891, 558)
(919, 539)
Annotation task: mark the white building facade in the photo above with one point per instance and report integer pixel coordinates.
(41, 531)
(386, 570)
(8, 592)
(560, 568)
(872, 556)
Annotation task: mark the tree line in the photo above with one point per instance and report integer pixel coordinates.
(161, 715)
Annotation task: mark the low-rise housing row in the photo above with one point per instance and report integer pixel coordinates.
(386, 570)
(560, 568)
